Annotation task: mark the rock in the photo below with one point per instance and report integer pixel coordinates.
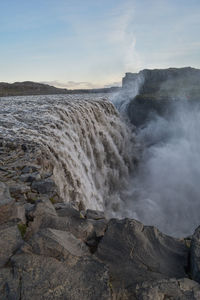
(10, 241)
(135, 253)
(195, 255)
(58, 244)
(18, 190)
(171, 289)
(44, 207)
(66, 210)
(30, 169)
(6, 203)
(94, 214)
(18, 213)
(9, 285)
(100, 227)
(45, 216)
(45, 186)
(46, 278)
(30, 177)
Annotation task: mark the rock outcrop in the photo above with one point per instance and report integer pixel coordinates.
(152, 92)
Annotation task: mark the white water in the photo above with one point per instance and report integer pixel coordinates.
(83, 137)
(93, 151)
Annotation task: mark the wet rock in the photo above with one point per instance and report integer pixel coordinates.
(137, 253)
(9, 285)
(45, 186)
(172, 289)
(10, 241)
(6, 203)
(58, 244)
(195, 255)
(47, 278)
(95, 214)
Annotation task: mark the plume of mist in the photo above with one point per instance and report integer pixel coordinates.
(164, 191)
(122, 99)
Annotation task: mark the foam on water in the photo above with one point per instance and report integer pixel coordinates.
(89, 146)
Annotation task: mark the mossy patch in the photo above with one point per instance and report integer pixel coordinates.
(53, 200)
(22, 228)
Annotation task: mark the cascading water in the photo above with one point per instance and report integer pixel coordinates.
(92, 153)
(88, 145)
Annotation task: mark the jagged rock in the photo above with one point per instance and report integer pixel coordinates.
(172, 289)
(6, 203)
(18, 189)
(46, 278)
(30, 177)
(58, 244)
(137, 253)
(94, 214)
(45, 186)
(45, 216)
(9, 285)
(195, 255)
(44, 207)
(10, 241)
(66, 210)
(29, 169)
(18, 213)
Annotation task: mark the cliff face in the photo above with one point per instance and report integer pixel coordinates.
(157, 89)
(164, 82)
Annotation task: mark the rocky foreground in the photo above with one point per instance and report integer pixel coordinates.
(52, 250)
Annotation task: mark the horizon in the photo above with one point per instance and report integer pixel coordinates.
(104, 87)
(76, 45)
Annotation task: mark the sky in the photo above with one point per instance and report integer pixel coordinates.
(92, 43)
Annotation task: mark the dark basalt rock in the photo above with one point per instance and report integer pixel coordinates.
(6, 203)
(46, 186)
(168, 289)
(137, 253)
(195, 255)
(157, 91)
(47, 278)
(10, 241)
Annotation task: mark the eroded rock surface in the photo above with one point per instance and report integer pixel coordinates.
(136, 253)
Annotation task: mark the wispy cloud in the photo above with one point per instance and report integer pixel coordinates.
(123, 36)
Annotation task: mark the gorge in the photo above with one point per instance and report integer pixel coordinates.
(78, 175)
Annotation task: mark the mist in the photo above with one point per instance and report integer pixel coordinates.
(164, 190)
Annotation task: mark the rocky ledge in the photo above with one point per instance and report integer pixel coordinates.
(52, 250)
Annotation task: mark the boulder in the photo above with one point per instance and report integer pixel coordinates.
(136, 253)
(47, 278)
(94, 214)
(6, 203)
(45, 216)
(10, 241)
(9, 285)
(44, 186)
(58, 244)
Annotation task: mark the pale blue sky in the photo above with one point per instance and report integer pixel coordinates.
(93, 43)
